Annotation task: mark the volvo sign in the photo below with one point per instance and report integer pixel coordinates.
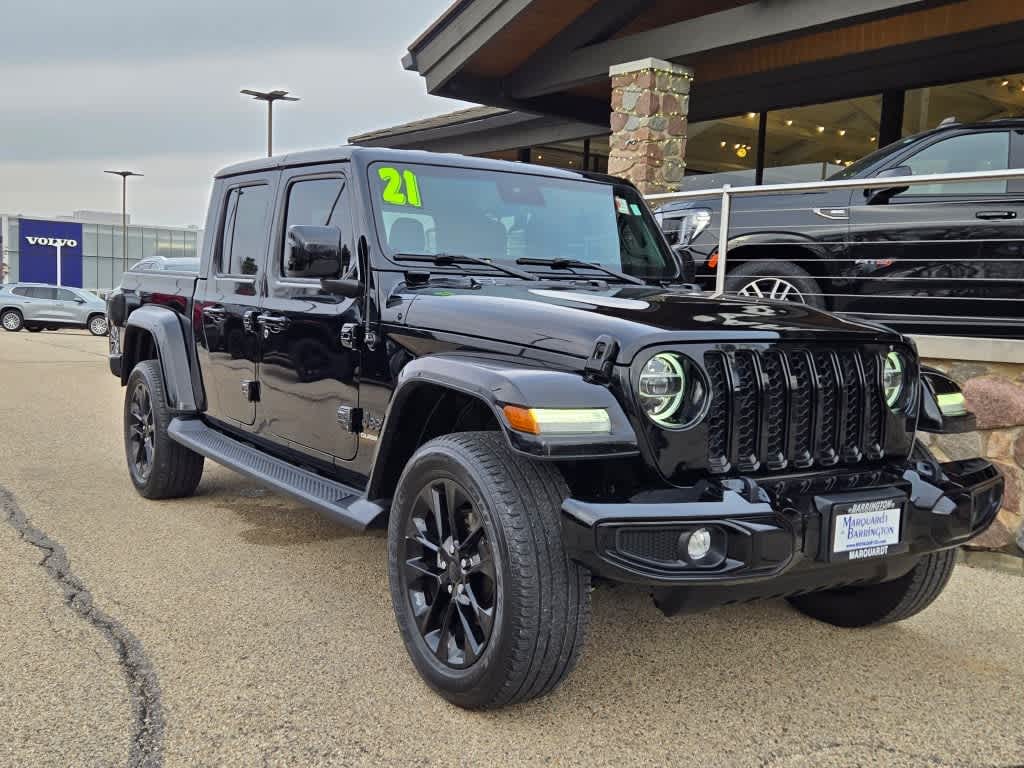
(50, 252)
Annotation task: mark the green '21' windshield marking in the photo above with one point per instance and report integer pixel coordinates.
(394, 181)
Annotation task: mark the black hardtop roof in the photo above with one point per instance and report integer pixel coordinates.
(371, 154)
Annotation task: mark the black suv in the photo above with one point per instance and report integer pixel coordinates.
(497, 363)
(941, 258)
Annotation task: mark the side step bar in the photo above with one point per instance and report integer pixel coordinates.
(334, 499)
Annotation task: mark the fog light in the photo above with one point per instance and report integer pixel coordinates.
(699, 544)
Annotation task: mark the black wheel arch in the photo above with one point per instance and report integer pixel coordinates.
(155, 333)
(812, 257)
(442, 394)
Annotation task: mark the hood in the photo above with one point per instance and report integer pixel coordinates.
(568, 318)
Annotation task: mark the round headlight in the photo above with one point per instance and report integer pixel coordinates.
(662, 386)
(894, 379)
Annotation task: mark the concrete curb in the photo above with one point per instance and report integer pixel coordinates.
(993, 561)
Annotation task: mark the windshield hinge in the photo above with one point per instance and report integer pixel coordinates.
(601, 362)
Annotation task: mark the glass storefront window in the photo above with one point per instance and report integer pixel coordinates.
(148, 243)
(89, 240)
(105, 238)
(968, 102)
(812, 143)
(722, 151)
(134, 243)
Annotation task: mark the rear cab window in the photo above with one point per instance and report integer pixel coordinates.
(243, 233)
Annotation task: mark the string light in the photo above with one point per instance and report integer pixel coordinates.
(841, 131)
(821, 129)
(1005, 83)
(751, 115)
(789, 122)
(874, 139)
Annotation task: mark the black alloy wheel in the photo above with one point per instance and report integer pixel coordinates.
(140, 433)
(159, 467)
(449, 579)
(491, 610)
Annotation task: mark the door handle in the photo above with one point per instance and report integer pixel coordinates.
(214, 313)
(993, 215)
(273, 323)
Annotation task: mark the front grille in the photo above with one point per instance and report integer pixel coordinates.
(793, 408)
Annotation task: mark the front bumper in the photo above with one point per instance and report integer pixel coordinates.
(766, 536)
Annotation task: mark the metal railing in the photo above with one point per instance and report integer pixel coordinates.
(728, 193)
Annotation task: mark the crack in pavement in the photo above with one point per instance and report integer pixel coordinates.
(144, 691)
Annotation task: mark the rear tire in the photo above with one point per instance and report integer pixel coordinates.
(776, 280)
(159, 467)
(12, 320)
(531, 603)
(882, 603)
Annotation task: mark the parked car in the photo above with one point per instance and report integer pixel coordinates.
(37, 306)
(498, 363)
(938, 257)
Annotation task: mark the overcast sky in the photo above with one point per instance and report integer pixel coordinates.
(152, 86)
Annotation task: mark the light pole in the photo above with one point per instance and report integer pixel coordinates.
(124, 210)
(270, 97)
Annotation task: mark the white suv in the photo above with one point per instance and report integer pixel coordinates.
(36, 306)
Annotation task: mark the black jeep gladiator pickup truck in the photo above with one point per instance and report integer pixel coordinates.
(499, 363)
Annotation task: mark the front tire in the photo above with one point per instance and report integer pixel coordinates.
(775, 280)
(97, 325)
(159, 467)
(12, 320)
(882, 603)
(491, 610)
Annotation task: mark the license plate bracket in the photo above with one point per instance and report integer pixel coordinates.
(862, 524)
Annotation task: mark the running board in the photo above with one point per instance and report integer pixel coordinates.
(339, 501)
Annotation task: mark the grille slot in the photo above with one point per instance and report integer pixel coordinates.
(746, 411)
(718, 413)
(794, 407)
(828, 400)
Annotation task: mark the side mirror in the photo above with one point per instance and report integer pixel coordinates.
(79, 300)
(314, 252)
(943, 407)
(879, 196)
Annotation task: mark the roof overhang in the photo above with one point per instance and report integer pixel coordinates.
(553, 56)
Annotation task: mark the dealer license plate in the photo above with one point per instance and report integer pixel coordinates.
(867, 529)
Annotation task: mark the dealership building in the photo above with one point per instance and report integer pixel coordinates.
(91, 248)
(688, 95)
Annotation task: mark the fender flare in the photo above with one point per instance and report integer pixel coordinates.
(781, 239)
(497, 382)
(172, 352)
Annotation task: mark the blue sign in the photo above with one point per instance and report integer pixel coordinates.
(40, 241)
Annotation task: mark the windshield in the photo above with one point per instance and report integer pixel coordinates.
(504, 216)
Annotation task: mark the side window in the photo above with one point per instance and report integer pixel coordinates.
(63, 294)
(244, 235)
(320, 202)
(988, 151)
(47, 294)
(19, 291)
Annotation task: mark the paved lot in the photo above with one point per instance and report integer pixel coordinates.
(236, 628)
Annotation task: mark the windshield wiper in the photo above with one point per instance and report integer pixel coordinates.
(454, 259)
(577, 264)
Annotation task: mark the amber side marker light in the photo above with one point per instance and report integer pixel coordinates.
(713, 261)
(558, 421)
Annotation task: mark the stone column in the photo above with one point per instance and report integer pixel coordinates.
(650, 101)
